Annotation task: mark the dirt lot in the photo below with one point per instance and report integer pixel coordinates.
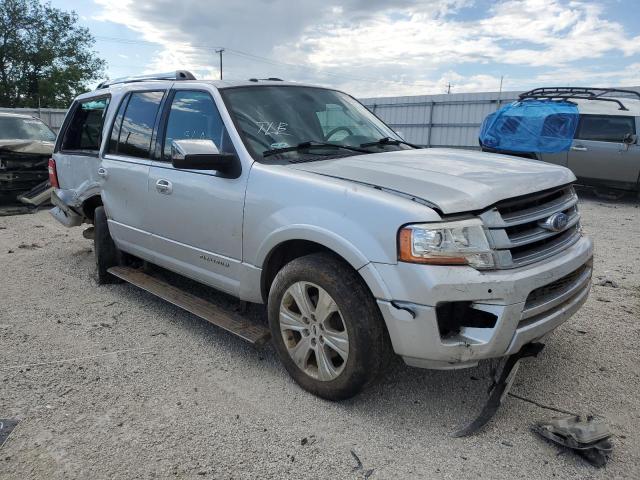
(110, 382)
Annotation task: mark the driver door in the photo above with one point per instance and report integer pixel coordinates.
(196, 215)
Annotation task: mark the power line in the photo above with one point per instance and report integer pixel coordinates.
(267, 60)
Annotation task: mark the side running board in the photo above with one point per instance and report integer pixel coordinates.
(229, 320)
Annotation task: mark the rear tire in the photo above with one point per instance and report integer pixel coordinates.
(107, 254)
(336, 343)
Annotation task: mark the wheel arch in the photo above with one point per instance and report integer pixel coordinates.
(89, 206)
(287, 249)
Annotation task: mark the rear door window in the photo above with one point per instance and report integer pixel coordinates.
(605, 128)
(133, 127)
(84, 132)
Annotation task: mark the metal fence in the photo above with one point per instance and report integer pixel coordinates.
(51, 116)
(449, 120)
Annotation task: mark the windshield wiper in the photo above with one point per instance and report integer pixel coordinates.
(310, 145)
(387, 141)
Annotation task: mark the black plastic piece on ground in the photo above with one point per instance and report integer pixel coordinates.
(499, 389)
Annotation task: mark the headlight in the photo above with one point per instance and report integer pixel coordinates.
(451, 243)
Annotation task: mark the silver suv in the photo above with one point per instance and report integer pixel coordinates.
(299, 198)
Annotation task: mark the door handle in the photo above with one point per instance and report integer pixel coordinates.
(579, 148)
(102, 172)
(164, 186)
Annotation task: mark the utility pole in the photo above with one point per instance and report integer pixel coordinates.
(500, 92)
(220, 52)
(448, 88)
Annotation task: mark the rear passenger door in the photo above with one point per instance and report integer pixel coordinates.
(598, 153)
(125, 169)
(78, 147)
(196, 215)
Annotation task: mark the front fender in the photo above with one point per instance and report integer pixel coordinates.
(359, 223)
(311, 233)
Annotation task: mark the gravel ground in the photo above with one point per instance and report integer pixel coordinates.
(110, 382)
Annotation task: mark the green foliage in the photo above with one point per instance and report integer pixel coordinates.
(44, 54)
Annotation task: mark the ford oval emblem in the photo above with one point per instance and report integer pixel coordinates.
(556, 222)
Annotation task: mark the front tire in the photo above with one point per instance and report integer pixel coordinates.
(106, 252)
(326, 326)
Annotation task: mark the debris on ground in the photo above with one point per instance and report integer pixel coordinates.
(29, 246)
(6, 211)
(89, 233)
(587, 436)
(310, 440)
(607, 282)
(359, 466)
(499, 389)
(358, 462)
(6, 427)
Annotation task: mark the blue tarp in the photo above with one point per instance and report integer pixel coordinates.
(540, 126)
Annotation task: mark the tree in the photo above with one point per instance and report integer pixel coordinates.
(46, 58)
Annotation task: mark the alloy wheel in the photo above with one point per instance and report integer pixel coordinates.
(314, 331)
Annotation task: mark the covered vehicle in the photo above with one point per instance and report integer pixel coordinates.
(592, 131)
(26, 144)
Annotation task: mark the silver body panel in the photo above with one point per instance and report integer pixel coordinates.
(453, 180)
(605, 162)
(221, 231)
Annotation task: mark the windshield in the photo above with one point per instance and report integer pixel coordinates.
(277, 117)
(18, 128)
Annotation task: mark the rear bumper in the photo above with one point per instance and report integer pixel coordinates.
(410, 294)
(61, 210)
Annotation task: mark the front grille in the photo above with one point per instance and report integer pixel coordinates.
(550, 298)
(547, 292)
(516, 232)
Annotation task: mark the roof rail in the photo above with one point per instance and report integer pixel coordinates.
(270, 79)
(175, 75)
(583, 93)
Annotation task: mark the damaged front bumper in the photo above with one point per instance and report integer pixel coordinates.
(23, 165)
(501, 310)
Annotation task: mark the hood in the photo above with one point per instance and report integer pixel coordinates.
(37, 147)
(453, 180)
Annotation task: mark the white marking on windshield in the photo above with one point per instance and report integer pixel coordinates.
(273, 128)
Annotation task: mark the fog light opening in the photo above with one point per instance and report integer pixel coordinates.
(453, 316)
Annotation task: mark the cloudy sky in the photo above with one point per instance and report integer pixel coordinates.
(374, 47)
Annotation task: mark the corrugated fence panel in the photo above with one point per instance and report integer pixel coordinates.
(451, 120)
(439, 120)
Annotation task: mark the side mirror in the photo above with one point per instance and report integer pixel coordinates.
(191, 154)
(630, 138)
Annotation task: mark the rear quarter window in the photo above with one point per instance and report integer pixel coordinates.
(84, 130)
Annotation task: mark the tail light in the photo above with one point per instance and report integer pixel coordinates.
(53, 174)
